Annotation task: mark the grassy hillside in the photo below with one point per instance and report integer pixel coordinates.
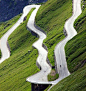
(51, 18)
(75, 82)
(22, 63)
(76, 59)
(5, 26)
(76, 48)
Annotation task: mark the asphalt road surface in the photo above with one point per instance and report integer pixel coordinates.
(40, 77)
(59, 49)
(4, 46)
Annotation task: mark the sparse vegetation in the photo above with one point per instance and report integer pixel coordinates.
(52, 76)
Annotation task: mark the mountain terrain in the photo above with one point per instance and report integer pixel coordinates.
(11, 8)
(51, 18)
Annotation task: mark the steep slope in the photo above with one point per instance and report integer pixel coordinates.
(40, 77)
(5, 49)
(5, 26)
(22, 63)
(51, 18)
(76, 58)
(76, 48)
(75, 82)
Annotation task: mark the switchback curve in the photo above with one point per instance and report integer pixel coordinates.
(59, 49)
(40, 77)
(5, 50)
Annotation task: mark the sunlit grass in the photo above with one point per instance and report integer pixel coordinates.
(22, 63)
(51, 18)
(76, 59)
(76, 48)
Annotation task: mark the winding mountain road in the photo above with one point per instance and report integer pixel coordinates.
(59, 49)
(5, 50)
(40, 77)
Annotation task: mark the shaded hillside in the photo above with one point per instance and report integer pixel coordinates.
(11, 8)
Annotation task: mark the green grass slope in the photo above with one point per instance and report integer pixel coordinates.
(75, 82)
(5, 26)
(76, 48)
(76, 59)
(22, 63)
(51, 18)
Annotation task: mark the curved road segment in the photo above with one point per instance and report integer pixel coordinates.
(5, 50)
(40, 77)
(59, 50)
